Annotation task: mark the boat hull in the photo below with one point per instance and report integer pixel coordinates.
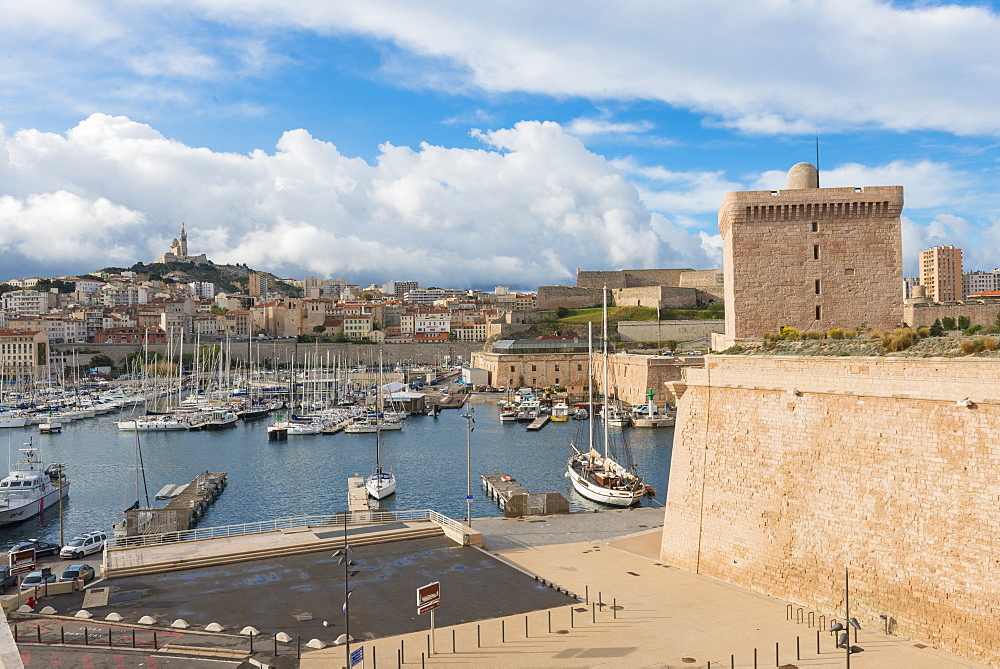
(380, 487)
(34, 507)
(597, 493)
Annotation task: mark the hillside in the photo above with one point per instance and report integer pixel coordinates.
(228, 278)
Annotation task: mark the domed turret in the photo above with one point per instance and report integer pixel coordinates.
(803, 175)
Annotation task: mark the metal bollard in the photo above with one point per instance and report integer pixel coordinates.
(275, 646)
(614, 607)
(754, 658)
(15, 633)
(526, 627)
(39, 630)
(452, 642)
(600, 601)
(593, 612)
(399, 660)
(402, 650)
(798, 649)
(251, 644)
(428, 645)
(732, 662)
(156, 646)
(133, 638)
(571, 617)
(86, 637)
(503, 632)
(298, 648)
(109, 637)
(421, 661)
(550, 621)
(586, 594)
(777, 662)
(817, 642)
(62, 635)
(479, 640)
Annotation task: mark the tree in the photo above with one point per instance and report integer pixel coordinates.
(948, 323)
(101, 360)
(937, 329)
(964, 323)
(319, 329)
(671, 345)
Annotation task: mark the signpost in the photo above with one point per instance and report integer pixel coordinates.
(22, 562)
(358, 656)
(428, 599)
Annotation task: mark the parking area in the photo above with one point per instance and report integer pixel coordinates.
(303, 595)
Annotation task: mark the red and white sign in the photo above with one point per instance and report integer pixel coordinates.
(428, 597)
(22, 562)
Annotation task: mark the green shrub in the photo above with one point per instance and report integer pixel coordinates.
(948, 323)
(971, 330)
(835, 333)
(964, 323)
(790, 333)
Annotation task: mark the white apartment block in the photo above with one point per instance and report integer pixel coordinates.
(29, 302)
(202, 289)
(979, 281)
(432, 321)
(122, 295)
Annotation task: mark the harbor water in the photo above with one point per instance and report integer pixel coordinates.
(308, 474)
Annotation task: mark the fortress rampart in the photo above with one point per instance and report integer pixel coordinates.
(786, 470)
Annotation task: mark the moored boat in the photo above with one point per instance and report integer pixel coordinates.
(30, 488)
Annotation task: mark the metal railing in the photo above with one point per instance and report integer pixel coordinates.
(330, 520)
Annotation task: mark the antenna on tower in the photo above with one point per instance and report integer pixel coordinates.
(817, 161)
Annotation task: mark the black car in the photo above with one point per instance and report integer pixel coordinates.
(7, 579)
(42, 548)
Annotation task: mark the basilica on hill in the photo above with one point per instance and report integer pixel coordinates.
(178, 251)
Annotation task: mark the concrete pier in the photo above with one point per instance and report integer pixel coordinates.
(357, 496)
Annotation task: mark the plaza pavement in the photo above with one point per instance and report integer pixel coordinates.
(669, 617)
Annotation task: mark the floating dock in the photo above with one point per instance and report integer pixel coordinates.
(188, 503)
(197, 497)
(515, 500)
(357, 496)
(538, 423)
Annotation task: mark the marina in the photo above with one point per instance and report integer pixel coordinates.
(310, 471)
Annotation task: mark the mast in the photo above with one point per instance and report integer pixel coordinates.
(604, 355)
(590, 384)
(378, 425)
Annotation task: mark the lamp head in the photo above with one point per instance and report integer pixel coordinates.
(836, 627)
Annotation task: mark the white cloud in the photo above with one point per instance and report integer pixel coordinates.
(527, 208)
(764, 66)
(584, 127)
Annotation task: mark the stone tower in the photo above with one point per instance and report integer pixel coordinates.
(182, 243)
(811, 258)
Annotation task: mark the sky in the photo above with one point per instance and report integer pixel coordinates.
(475, 144)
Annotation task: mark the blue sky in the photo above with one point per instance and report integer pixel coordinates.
(477, 144)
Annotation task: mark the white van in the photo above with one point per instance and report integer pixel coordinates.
(85, 544)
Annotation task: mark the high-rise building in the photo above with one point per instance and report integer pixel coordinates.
(941, 273)
(257, 285)
(811, 258)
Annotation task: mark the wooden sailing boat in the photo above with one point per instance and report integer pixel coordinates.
(596, 476)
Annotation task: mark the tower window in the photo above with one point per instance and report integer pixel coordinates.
(815, 251)
(817, 312)
(817, 286)
(815, 226)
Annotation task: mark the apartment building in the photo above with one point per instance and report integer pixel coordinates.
(941, 273)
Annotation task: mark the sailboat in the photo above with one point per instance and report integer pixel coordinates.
(380, 484)
(596, 476)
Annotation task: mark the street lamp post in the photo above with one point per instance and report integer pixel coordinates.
(468, 471)
(344, 558)
(844, 636)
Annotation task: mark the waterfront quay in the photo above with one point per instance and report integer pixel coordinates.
(574, 590)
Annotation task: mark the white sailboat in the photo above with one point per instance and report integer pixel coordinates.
(597, 476)
(381, 483)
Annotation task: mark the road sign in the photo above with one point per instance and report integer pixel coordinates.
(358, 656)
(22, 562)
(428, 597)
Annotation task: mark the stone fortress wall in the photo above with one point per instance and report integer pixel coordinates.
(786, 470)
(916, 314)
(629, 278)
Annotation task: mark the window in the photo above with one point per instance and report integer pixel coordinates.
(512, 368)
(557, 368)
(815, 226)
(579, 368)
(557, 380)
(848, 272)
(817, 312)
(817, 286)
(533, 368)
(815, 251)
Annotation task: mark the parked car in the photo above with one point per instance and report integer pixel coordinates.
(38, 578)
(7, 579)
(79, 572)
(42, 548)
(85, 544)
